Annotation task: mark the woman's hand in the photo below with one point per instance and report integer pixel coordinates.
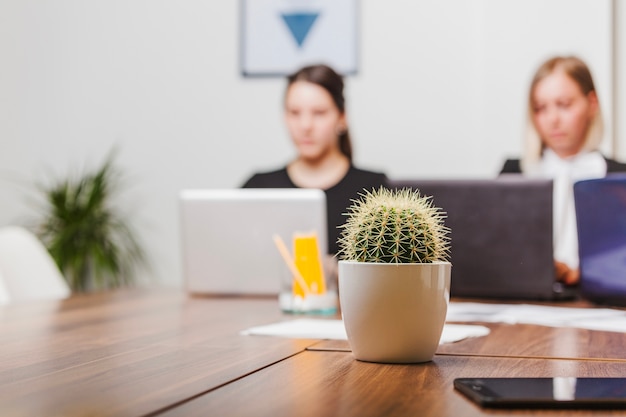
(565, 274)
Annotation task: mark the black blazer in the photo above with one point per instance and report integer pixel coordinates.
(512, 166)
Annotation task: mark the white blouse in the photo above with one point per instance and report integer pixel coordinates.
(565, 172)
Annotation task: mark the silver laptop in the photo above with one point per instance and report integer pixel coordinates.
(227, 236)
(501, 236)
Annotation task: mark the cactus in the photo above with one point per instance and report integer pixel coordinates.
(398, 226)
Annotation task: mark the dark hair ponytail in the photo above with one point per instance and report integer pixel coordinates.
(328, 79)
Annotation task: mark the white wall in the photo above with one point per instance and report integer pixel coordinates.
(440, 93)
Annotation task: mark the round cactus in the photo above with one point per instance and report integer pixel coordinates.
(398, 226)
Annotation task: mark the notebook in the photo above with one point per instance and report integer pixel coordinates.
(227, 236)
(601, 221)
(501, 236)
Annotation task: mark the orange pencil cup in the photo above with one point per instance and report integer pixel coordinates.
(306, 289)
(308, 261)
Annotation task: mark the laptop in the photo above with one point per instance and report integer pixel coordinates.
(227, 236)
(501, 236)
(601, 222)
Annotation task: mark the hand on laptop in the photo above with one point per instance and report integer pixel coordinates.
(565, 274)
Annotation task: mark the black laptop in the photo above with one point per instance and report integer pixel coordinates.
(501, 236)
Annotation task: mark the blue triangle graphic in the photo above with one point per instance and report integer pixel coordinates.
(300, 24)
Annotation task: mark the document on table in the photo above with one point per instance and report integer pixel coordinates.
(334, 329)
(605, 319)
(585, 318)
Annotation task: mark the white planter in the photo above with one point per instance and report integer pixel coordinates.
(394, 313)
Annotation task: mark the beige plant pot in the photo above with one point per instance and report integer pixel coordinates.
(394, 313)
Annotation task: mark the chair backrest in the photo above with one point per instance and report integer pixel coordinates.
(4, 293)
(27, 270)
(601, 222)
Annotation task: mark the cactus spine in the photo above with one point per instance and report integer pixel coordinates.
(398, 226)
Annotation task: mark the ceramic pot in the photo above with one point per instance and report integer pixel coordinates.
(394, 313)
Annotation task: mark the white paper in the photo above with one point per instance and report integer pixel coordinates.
(456, 332)
(302, 329)
(334, 329)
(584, 318)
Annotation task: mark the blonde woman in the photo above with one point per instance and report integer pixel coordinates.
(565, 129)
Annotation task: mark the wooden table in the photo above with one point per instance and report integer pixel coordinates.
(149, 353)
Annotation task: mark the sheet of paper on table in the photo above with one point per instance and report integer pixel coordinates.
(605, 319)
(585, 318)
(334, 329)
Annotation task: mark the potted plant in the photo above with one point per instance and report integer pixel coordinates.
(90, 240)
(394, 276)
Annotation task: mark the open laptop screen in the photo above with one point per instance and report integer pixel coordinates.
(501, 235)
(227, 245)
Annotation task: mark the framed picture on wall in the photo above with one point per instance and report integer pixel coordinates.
(280, 36)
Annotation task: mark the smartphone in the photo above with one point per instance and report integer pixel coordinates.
(559, 392)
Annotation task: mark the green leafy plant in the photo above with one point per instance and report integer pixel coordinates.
(91, 243)
(398, 226)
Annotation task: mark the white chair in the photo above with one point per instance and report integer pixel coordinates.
(27, 271)
(4, 294)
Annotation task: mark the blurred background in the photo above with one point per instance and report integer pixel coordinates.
(440, 92)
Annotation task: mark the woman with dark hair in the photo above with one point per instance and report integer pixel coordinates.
(315, 116)
(562, 142)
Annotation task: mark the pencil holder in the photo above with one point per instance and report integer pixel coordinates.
(311, 288)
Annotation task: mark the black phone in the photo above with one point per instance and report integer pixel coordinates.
(558, 392)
